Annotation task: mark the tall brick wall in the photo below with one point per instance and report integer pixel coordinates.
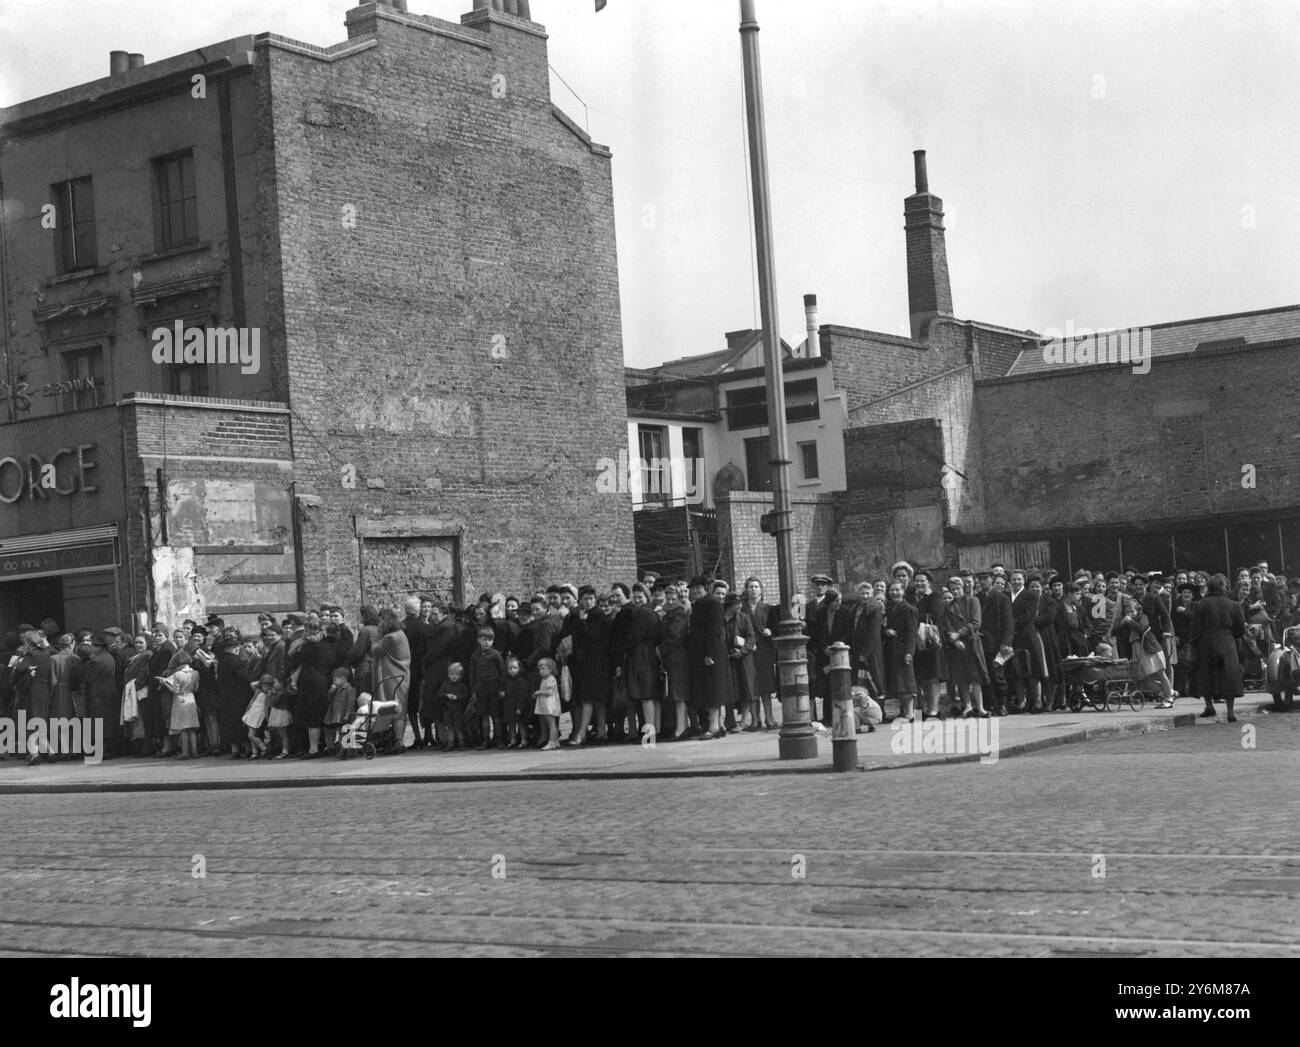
(1107, 446)
(192, 441)
(869, 365)
(946, 399)
(748, 551)
(461, 347)
(895, 504)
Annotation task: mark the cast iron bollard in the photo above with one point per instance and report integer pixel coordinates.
(797, 742)
(844, 729)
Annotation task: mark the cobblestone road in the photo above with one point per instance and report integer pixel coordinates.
(1197, 834)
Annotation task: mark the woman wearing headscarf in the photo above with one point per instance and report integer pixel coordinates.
(1218, 624)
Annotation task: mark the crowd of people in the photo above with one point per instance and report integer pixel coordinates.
(671, 661)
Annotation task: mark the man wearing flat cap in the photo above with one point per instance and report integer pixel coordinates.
(817, 682)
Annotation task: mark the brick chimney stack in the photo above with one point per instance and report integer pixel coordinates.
(928, 290)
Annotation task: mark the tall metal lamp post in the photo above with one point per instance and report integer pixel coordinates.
(798, 742)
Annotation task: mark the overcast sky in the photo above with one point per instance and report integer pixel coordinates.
(1110, 162)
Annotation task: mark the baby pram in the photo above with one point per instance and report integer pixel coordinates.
(1103, 683)
(374, 729)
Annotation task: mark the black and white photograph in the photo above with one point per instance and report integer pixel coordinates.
(650, 479)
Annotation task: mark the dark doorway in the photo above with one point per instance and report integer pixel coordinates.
(30, 601)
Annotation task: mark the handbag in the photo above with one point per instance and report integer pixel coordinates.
(1258, 617)
(566, 685)
(927, 636)
(1151, 643)
(130, 703)
(292, 686)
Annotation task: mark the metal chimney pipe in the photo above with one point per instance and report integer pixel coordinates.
(135, 61)
(922, 178)
(118, 62)
(814, 349)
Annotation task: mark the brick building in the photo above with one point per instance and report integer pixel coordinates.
(961, 450)
(420, 248)
(958, 448)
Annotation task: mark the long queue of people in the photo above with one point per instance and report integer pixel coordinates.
(674, 661)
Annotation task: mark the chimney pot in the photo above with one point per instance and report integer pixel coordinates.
(813, 351)
(922, 179)
(135, 61)
(118, 62)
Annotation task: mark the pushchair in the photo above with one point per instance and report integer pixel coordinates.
(1284, 670)
(374, 729)
(1103, 683)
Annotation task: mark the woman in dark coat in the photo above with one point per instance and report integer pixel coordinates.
(591, 661)
(931, 665)
(1045, 622)
(706, 640)
(316, 660)
(868, 656)
(156, 709)
(901, 619)
(1031, 659)
(640, 662)
(137, 672)
(1218, 624)
(960, 627)
(361, 658)
(234, 692)
(764, 616)
(204, 661)
(740, 648)
(675, 657)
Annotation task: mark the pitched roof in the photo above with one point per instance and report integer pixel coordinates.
(708, 365)
(1184, 337)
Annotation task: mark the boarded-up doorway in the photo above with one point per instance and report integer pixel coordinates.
(393, 569)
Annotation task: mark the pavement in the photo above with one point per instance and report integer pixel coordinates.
(735, 755)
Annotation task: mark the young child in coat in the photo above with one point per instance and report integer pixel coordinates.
(547, 707)
(517, 704)
(183, 683)
(487, 683)
(255, 716)
(455, 700)
(342, 707)
(280, 719)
